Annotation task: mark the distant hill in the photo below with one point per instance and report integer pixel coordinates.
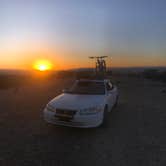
(14, 72)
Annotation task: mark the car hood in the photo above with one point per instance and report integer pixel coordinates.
(76, 101)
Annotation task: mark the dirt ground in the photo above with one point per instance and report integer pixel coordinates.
(135, 135)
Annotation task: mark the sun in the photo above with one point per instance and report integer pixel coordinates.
(42, 65)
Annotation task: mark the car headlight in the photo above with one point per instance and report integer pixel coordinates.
(50, 108)
(91, 110)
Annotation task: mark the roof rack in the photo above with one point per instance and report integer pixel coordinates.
(100, 64)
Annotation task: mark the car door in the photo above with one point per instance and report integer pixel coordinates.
(111, 97)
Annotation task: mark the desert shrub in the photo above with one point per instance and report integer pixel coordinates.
(155, 74)
(12, 81)
(65, 74)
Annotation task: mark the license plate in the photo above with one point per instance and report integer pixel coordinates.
(60, 118)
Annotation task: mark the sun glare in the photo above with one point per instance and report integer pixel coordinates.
(43, 65)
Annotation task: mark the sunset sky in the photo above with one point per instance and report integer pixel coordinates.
(66, 32)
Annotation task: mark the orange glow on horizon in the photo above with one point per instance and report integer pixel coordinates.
(43, 57)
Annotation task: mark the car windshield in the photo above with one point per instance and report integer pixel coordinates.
(88, 87)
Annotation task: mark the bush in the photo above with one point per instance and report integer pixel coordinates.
(155, 74)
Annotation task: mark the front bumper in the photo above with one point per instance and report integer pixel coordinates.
(82, 121)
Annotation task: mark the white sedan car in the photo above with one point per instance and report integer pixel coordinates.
(84, 105)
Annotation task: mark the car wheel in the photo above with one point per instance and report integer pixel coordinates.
(116, 102)
(105, 117)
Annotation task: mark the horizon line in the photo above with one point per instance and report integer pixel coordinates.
(14, 69)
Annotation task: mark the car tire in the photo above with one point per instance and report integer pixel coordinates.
(116, 102)
(105, 117)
